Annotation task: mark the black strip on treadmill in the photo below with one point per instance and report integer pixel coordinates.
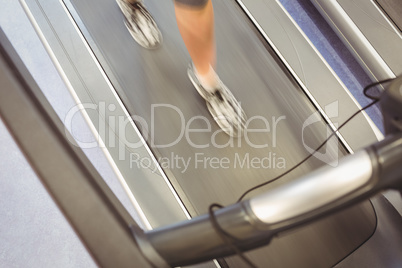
(393, 9)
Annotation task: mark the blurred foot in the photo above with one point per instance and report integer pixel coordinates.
(140, 24)
(223, 106)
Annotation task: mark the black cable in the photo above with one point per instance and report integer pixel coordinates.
(307, 157)
(228, 238)
(365, 91)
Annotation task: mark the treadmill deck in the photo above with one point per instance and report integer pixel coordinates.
(200, 168)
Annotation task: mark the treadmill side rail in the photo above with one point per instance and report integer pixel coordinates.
(76, 187)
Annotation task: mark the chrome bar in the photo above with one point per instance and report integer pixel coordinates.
(252, 223)
(314, 190)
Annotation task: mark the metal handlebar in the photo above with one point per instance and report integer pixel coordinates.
(254, 222)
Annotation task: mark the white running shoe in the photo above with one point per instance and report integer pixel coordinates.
(140, 24)
(223, 106)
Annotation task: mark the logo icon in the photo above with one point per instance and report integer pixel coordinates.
(330, 156)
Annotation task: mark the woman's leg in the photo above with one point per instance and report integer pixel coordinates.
(195, 20)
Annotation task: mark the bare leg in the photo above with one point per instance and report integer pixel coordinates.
(196, 26)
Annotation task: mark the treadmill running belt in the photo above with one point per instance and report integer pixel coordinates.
(208, 166)
(393, 8)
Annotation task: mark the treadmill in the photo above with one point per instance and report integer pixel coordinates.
(372, 30)
(137, 103)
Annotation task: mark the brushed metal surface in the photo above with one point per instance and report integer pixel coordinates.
(266, 91)
(382, 34)
(368, 32)
(313, 73)
(269, 95)
(287, 202)
(393, 8)
(95, 97)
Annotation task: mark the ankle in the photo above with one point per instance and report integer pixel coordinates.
(208, 80)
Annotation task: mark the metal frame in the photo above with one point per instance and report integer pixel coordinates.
(309, 68)
(57, 24)
(368, 33)
(253, 223)
(95, 214)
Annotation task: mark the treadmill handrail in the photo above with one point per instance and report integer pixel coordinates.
(254, 222)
